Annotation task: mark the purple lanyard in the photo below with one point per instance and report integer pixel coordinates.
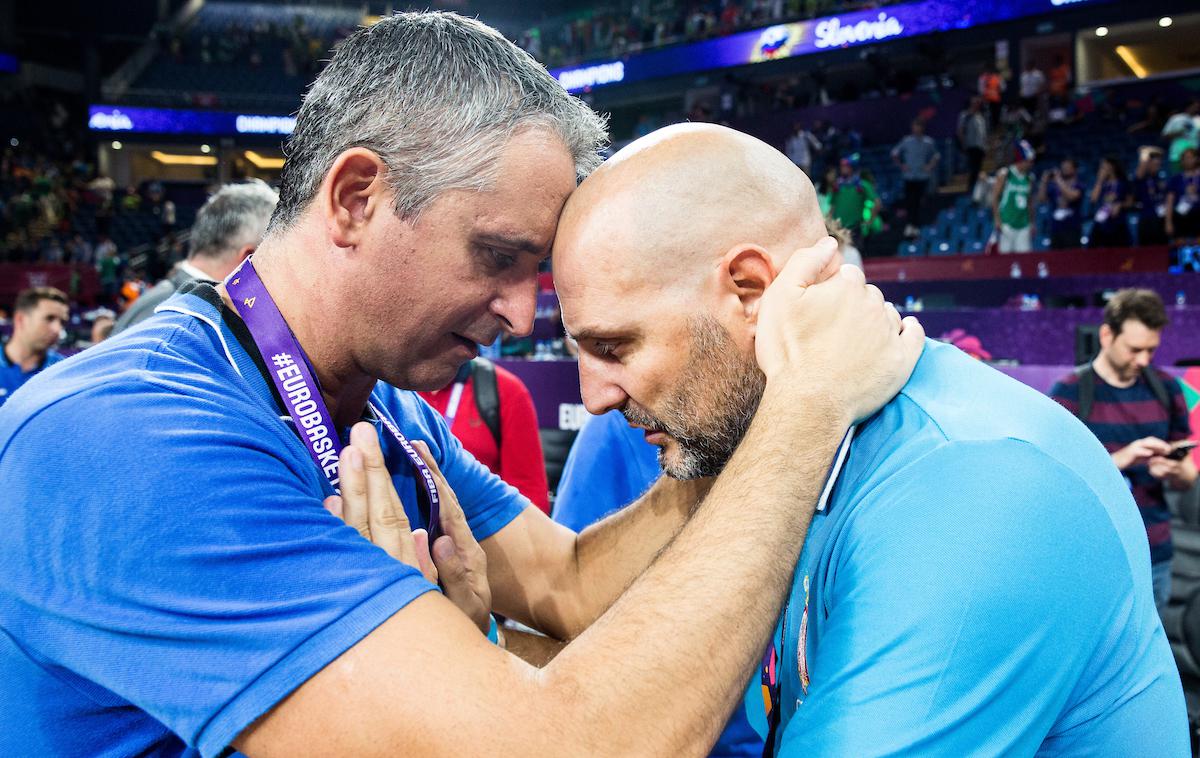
(300, 391)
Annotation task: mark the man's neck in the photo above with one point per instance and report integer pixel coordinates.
(19, 354)
(305, 305)
(1105, 371)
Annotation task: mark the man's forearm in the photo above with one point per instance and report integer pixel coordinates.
(559, 582)
(613, 552)
(531, 647)
(759, 511)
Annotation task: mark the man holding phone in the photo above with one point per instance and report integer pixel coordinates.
(1139, 413)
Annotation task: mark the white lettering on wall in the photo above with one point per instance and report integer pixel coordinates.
(265, 124)
(590, 76)
(831, 33)
(110, 122)
(572, 416)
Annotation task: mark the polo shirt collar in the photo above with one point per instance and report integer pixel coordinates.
(835, 470)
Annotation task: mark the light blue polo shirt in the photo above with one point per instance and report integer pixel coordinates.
(977, 584)
(167, 571)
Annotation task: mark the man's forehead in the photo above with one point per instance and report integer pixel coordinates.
(599, 300)
(51, 307)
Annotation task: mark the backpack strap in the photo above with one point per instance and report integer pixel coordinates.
(1087, 390)
(487, 395)
(1159, 389)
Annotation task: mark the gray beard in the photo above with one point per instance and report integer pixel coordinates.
(710, 409)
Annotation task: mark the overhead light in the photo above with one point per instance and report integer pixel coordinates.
(1102, 31)
(14, 142)
(262, 161)
(205, 149)
(1165, 21)
(116, 145)
(174, 159)
(1131, 60)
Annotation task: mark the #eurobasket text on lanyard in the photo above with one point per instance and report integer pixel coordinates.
(293, 378)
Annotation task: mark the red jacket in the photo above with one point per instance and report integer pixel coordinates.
(518, 460)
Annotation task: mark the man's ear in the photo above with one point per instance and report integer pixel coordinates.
(1106, 336)
(746, 272)
(351, 193)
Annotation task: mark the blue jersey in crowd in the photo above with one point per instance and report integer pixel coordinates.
(12, 376)
(976, 583)
(610, 466)
(168, 572)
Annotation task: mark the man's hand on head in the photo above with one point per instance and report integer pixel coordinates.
(834, 339)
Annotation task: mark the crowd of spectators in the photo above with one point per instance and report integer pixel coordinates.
(62, 211)
(630, 27)
(289, 44)
(1157, 188)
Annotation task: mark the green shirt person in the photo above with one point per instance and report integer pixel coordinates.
(1013, 208)
(854, 202)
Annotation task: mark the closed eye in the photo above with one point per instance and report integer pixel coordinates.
(500, 259)
(606, 349)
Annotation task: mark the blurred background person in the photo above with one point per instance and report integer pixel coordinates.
(1183, 199)
(1110, 198)
(227, 229)
(39, 315)
(1150, 197)
(1013, 210)
(1062, 190)
(492, 414)
(1139, 413)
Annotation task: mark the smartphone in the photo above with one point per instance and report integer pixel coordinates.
(1180, 450)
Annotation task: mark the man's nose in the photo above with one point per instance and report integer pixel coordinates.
(516, 304)
(596, 383)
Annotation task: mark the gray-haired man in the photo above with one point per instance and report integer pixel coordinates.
(187, 590)
(227, 230)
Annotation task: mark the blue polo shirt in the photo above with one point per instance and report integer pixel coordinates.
(611, 465)
(167, 571)
(12, 376)
(977, 584)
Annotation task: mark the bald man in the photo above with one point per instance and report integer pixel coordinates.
(975, 580)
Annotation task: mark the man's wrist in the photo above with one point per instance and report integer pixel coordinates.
(806, 406)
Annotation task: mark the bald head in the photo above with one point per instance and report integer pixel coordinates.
(672, 203)
(661, 259)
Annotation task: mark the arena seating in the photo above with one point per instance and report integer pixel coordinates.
(213, 53)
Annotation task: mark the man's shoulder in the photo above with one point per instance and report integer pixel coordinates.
(953, 400)
(1169, 381)
(1067, 384)
(172, 363)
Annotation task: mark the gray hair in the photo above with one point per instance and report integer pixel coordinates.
(236, 215)
(437, 97)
